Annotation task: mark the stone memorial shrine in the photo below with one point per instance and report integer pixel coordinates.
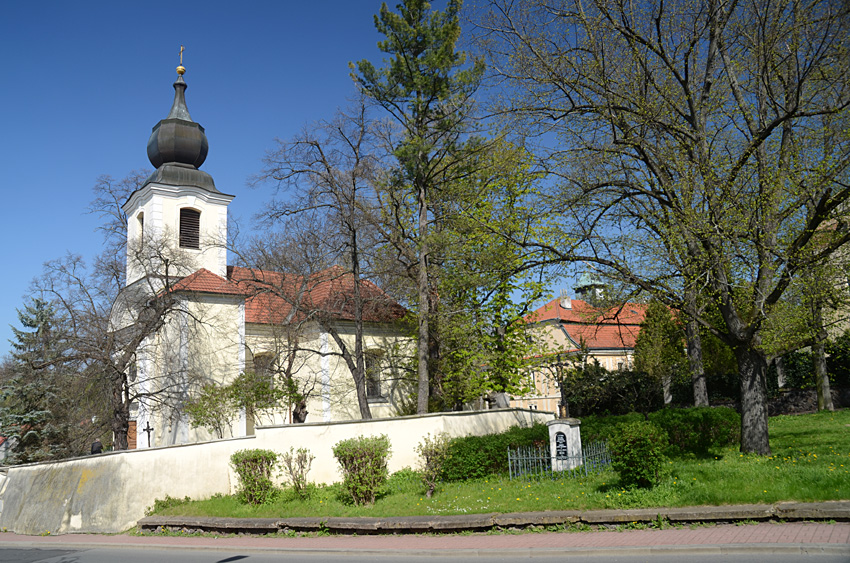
(565, 443)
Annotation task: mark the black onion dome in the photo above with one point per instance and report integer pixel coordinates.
(177, 139)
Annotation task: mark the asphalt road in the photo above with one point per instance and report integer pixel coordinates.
(145, 554)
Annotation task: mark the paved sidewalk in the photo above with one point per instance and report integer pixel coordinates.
(795, 537)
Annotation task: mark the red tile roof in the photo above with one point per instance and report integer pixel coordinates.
(329, 292)
(271, 296)
(204, 281)
(617, 327)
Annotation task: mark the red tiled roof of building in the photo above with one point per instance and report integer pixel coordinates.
(272, 296)
(616, 327)
(204, 281)
(604, 336)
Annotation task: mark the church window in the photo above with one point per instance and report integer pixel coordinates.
(190, 228)
(373, 374)
(141, 219)
(264, 366)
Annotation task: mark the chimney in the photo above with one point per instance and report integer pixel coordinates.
(566, 302)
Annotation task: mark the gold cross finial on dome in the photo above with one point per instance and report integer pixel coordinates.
(181, 69)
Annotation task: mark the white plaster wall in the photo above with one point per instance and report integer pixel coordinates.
(200, 343)
(333, 396)
(109, 493)
(404, 433)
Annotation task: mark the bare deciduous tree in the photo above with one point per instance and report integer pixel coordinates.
(325, 188)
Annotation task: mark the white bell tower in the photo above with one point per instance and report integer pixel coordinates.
(177, 220)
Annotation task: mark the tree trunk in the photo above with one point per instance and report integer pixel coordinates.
(359, 355)
(358, 374)
(752, 368)
(780, 371)
(822, 378)
(821, 375)
(697, 367)
(120, 421)
(424, 308)
(299, 412)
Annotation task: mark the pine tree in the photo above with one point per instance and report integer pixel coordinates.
(36, 408)
(426, 86)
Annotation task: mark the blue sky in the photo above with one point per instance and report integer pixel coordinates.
(84, 83)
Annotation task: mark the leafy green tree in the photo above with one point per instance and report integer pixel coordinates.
(426, 88)
(659, 350)
(701, 143)
(485, 283)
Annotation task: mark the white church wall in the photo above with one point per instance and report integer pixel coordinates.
(200, 343)
(108, 493)
(332, 395)
(154, 214)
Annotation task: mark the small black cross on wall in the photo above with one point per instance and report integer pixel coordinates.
(147, 430)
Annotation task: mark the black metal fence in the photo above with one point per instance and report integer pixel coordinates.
(536, 463)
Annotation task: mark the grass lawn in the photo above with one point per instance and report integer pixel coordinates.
(810, 462)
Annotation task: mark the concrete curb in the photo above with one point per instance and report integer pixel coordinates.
(833, 510)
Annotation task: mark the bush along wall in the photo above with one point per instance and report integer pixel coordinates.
(363, 461)
(473, 457)
(254, 469)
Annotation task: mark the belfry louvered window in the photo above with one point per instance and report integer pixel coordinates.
(190, 228)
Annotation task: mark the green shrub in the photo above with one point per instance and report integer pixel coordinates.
(637, 453)
(599, 391)
(254, 469)
(296, 464)
(601, 428)
(699, 429)
(473, 457)
(364, 466)
(434, 452)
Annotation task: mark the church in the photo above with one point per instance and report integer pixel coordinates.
(221, 321)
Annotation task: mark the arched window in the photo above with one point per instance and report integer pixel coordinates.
(141, 222)
(190, 228)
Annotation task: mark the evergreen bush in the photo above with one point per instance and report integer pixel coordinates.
(637, 453)
(254, 469)
(364, 466)
(600, 428)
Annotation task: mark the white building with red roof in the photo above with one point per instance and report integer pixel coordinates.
(224, 320)
(567, 328)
